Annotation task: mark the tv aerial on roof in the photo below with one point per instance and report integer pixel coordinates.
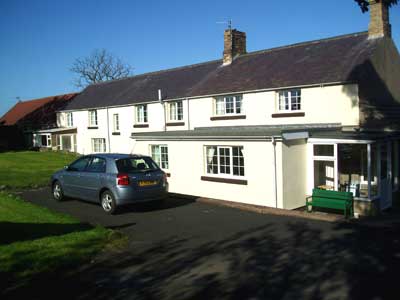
(229, 23)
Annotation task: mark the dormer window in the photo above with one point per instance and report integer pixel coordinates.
(70, 121)
(228, 105)
(289, 100)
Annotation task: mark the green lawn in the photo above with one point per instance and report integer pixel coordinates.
(30, 169)
(35, 241)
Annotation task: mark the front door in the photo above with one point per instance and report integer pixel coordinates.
(385, 185)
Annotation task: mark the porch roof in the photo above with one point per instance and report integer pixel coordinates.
(266, 132)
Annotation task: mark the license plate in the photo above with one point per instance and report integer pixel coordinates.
(147, 182)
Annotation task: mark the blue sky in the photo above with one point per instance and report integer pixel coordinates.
(40, 39)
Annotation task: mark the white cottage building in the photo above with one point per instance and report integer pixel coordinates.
(263, 127)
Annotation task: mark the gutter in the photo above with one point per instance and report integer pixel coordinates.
(204, 138)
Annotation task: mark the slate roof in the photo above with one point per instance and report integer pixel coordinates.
(248, 131)
(330, 60)
(35, 111)
(264, 132)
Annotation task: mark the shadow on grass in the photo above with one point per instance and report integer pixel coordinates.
(17, 232)
(296, 260)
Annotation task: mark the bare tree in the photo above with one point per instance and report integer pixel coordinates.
(97, 67)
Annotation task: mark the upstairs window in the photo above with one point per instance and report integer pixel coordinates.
(141, 113)
(228, 105)
(93, 118)
(116, 122)
(289, 100)
(175, 111)
(70, 121)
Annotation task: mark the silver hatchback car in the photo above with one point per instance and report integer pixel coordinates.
(111, 180)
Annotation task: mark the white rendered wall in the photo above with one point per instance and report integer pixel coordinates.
(187, 165)
(294, 165)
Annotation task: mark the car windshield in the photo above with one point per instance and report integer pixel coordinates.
(136, 164)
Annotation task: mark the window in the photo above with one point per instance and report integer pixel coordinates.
(175, 111)
(116, 122)
(79, 165)
(228, 105)
(225, 160)
(45, 140)
(160, 155)
(136, 165)
(70, 121)
(98, 145)
(92, 117)
(97, 165)
(141, 113)
(290, 100)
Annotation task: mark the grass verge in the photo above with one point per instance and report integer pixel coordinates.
(35, 241)
(26, 169)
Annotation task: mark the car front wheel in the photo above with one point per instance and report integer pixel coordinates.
(58, 193)
(108, 202)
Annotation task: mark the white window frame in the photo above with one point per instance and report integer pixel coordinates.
(115, 122)
(220, 105)
(99, 145)
(70, 120)
(219, 174)
(48, 140)
(160, 159)
(93, 121)
(175, 111)
(289, 100)
(141, 116)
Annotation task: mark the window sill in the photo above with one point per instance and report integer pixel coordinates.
(227, 117)
(224, 180)
(141, 126)
(288, 115)
(175, 123)
(116, 133)
(93, 127)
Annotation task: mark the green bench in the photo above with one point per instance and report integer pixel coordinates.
(331, 199)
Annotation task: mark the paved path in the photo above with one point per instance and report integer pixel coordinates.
(189, 250)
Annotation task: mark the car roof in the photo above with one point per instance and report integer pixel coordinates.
(116, 155)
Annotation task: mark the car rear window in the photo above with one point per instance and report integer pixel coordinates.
(138, 164)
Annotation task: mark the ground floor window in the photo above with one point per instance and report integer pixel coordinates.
(42, 140)
(224, 160)
(353, 169)
(68, 142)
(98, 145)
(160, 155)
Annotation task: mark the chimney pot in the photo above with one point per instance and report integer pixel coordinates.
(379, 25)
(234, 45)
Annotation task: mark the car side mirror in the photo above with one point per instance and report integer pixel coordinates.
(66, 168)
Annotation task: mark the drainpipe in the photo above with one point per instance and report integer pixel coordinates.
(275, 173)
(163, 106)
(108, 132)
(188, 111)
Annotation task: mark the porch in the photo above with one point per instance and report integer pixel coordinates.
(368, 167)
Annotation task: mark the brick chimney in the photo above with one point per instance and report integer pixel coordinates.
(234, 44)
(379, 25)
